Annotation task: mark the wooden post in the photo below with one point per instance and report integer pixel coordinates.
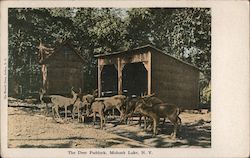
(100, 67)
(147, 65)
(149, 73)
(119, 70)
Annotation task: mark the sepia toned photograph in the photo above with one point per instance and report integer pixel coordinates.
(124, 79)
(109, 77)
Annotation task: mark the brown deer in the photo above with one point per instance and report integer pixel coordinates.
(79, 106)
(131, 106)
(157, 111)
(83, 102)
(45, 100)
(116, 101)
(98, 107)
(60, 101)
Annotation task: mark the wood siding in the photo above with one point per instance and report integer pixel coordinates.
(64, 70)
(174, 81)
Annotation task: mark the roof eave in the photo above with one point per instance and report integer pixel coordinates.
(143, 47)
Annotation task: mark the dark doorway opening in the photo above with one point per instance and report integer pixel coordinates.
(109, 81)
(134, 79)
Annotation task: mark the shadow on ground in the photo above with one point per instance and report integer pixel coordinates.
(197, 134)
(64, 145)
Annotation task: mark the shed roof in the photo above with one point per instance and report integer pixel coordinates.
(49, 52)
(145, 47)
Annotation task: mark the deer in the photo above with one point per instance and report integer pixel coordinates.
(129, 112)
(60, 101)
(116, 101)
(79, 106)
(83, 101)
(98, 107)
(45, 100)
(157, 111)
(131, 106)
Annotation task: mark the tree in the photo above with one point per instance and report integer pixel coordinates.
(181, 32)
(26, 28)
(100, 31)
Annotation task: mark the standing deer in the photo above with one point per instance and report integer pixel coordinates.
(79, 106)
(116, 101)
(83, 101)
(129, 112)
(98, 107)
(60, 101)
(45, 100)
(157, 111)
(131, 106)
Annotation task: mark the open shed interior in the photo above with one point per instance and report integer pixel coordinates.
(134, 79)
(109, 80)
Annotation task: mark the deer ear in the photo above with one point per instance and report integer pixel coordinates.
(72, 89)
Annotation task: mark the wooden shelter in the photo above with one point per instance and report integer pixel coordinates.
(148, 70)
(62, 68)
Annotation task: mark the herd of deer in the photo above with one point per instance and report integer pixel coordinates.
(89, 106)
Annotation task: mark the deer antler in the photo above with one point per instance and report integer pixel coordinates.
(147, 96)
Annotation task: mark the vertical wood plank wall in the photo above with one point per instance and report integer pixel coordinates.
(64, 73)
(170, 79)
(175, 82)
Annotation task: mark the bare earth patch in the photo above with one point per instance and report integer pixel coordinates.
(28, 128)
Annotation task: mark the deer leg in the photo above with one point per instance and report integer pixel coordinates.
(65, 107)
(179, 123)
(104, 119)
(46, 109)
(175, 121)
(155, 123)
(53, 112)
(164, 119)
(101, 119)
(173, 135)
(73, 113)
(126, 120)
(57, 111)
(94, 118)
(121, 113)
(79, 113)
(140, 120)
(83, 118)
(129, 119)
(145, 123)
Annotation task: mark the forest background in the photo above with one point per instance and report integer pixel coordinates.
(184, 33)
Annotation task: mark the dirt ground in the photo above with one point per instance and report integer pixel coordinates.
(30, 128)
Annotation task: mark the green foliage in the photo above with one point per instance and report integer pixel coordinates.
(181, 32)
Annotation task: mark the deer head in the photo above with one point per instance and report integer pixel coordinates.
(95, 93)
(73, 92)
(42, 91)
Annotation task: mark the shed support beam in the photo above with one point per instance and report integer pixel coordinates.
(147, 66)
(119, 72)
(100, 67)
(149, 73)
